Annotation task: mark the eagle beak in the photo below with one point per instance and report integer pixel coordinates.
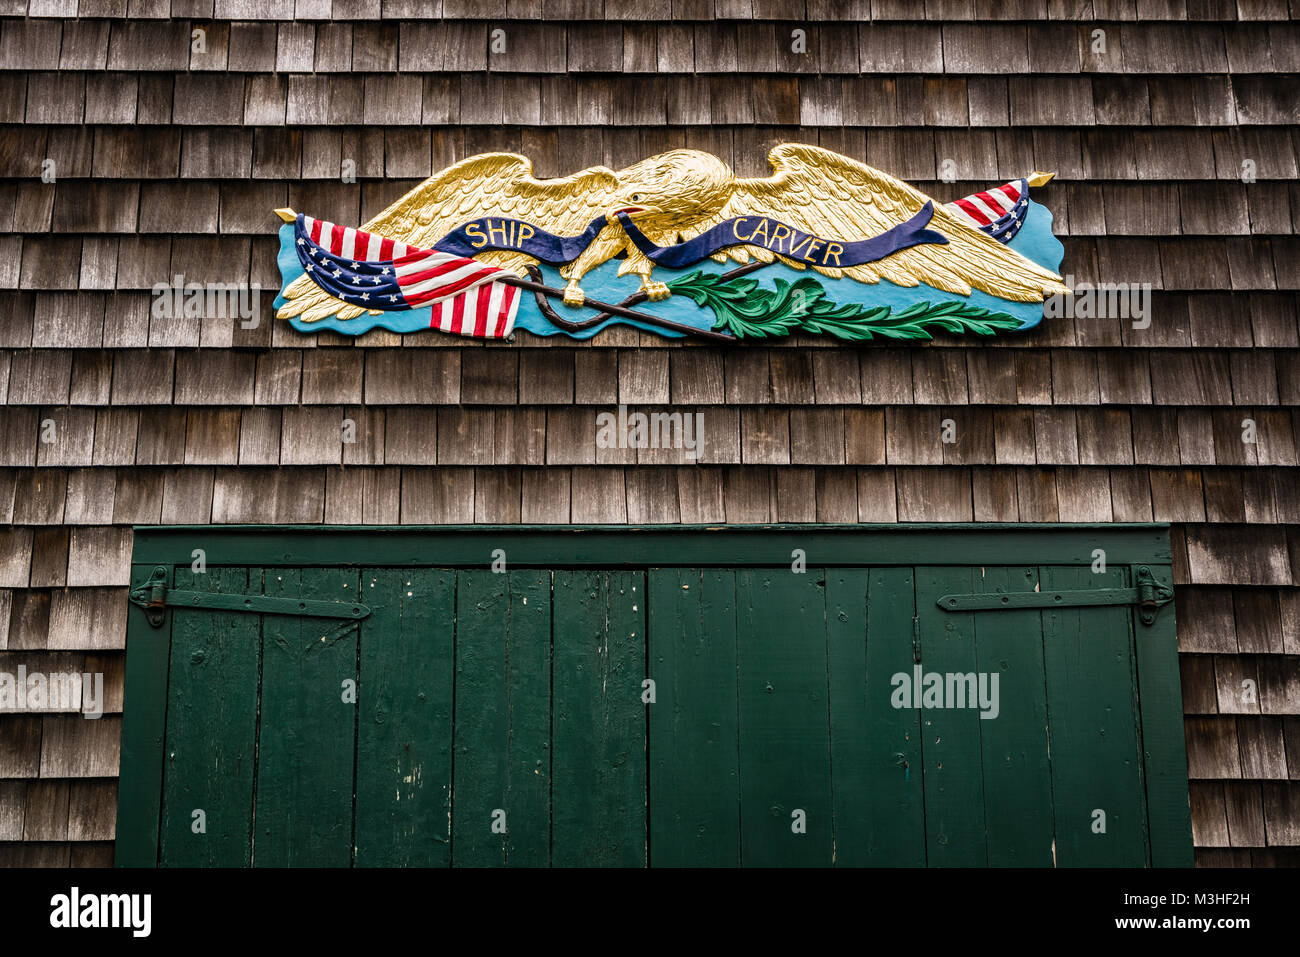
(635, 212)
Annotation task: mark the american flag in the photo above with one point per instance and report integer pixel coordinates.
(999, 211)
(365, 269)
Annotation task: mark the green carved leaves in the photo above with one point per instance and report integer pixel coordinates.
(744, 309)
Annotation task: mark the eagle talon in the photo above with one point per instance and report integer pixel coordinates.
(655, 291)
(573, 295)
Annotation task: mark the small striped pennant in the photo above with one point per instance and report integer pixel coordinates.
(999, 211)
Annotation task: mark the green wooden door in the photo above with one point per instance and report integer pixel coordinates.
(596, 706)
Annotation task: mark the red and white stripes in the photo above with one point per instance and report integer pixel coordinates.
(349, 243)
(988, 206)
(487, 312)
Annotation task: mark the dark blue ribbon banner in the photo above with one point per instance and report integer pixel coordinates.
(792, 243)
(490, 232)
(493, 233)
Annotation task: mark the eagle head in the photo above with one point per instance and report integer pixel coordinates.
(673, 189)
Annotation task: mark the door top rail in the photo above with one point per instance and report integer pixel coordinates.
(632, 546)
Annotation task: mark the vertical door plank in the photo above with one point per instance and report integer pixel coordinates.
(875, 748)
(1096, 765)
(1017, 772)
(1164, 746)
(403, 815)
(852, 752)
(211, 727)
(502, 769)
(307, 734)
(950, 736)
(599, 784)
(529, 697)
(482, 722)
(693, 736)
(784, 720)
(143, 733)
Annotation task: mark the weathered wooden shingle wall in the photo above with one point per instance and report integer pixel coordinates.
(168, 162)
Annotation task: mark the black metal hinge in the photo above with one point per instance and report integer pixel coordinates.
(1149, 594)
(155, 597)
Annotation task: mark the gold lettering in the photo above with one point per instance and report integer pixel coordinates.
(779, 234)
(794, 247)
(832, 249)
(735, 227)
(475, 231)
(525, 233)
(762, 228)
(493, 230)
(813, 246)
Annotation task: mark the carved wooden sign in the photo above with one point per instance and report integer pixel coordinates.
(679, 245)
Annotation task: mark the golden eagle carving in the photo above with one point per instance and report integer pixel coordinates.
(679, 245)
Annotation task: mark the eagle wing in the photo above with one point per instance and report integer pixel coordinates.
(492, 184)
(834, 197)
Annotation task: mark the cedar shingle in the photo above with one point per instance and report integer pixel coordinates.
(596, 376)
(50, 262)
(886, 377)
(643, 376)
(519, 436)
(414, 376)
(545, 496)
(1013, 436)
(913, 436)
(864, 436)
(30, 619)
(1268, 151)
(796, 495)
(1263, 751)
(599, 496)
(836, 497)
(988, 101)
(927, 495)
(1244, 555)
(161, 437)
(1195, 437)
(1232, 439)
(50, 556)
(765, 436)
(546, 376)
(1282, 808)
(90, 496)
(1208, 815)
(1218, 321)
(465, 436)
(332, 376)
(1275, 439)
(966, 48)
(816, 436)
(1055, 436)
(749, 495)
(939, 376)
(1190, 378)
(973, 432)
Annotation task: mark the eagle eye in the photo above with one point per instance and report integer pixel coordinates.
(636, 197)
